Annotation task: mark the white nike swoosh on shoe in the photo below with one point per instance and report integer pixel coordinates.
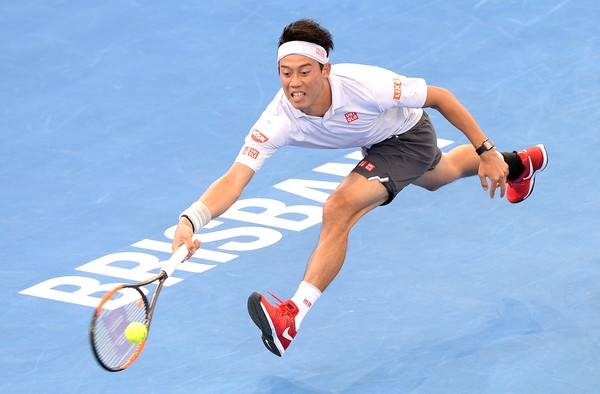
(286, 334)
(530, 170)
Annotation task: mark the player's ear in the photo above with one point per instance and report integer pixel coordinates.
(326, 69)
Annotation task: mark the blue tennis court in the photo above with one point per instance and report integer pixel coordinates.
(117, 115)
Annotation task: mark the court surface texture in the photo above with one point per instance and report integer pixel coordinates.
(117, 115)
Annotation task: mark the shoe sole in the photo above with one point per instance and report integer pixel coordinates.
(545, 154)
(259, 316)
(544, 164)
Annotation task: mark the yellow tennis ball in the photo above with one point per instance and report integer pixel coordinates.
(136, 332)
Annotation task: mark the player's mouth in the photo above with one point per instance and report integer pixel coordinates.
(297, 95)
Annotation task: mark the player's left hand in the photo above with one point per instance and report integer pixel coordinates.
(494, 168)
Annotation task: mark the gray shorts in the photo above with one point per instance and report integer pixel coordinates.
(401, 159)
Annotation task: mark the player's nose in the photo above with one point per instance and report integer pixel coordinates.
(295, 81)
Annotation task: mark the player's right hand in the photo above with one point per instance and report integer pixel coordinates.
(494, 167)
(184, 235)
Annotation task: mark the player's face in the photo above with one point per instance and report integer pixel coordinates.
(305, 85)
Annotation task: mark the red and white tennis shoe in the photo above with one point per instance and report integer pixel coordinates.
(535, 160)
(277, 322)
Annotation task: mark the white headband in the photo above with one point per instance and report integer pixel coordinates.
(304, 48)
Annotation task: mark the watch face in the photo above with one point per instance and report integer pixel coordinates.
(487, 145)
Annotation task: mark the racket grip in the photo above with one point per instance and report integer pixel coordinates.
(175, 260)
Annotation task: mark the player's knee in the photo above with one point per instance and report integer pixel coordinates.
(333, 204)
(336, 207)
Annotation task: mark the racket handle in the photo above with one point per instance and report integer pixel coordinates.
(175, 260)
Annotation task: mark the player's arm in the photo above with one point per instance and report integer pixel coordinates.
(492, 165)
(221, 195)
(217, 199)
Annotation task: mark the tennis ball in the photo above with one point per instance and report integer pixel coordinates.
(136, 332)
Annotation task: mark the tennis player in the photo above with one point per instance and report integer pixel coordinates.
(321, 105)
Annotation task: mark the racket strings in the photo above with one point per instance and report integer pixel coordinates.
(111, 345)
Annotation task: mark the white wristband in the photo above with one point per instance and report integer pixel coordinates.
(197, 214)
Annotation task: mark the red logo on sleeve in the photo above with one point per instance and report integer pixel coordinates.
(351, 117)
(397, 88)
(253, 153)
(258, 136)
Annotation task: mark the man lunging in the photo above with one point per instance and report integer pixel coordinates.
(350, 105)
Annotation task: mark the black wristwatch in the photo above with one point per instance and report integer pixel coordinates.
(486, 146)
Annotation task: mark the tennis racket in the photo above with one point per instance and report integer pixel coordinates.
(121, 306)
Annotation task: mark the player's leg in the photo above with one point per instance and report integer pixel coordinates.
(460, 162)
(354, 197)
(463, 161)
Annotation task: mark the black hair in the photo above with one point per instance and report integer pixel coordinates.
(307, 30)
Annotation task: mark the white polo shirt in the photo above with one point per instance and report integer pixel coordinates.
(368, 105)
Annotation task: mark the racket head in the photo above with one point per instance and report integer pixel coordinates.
(118, 308)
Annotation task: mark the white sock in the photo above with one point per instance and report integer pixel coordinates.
(305, 297)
